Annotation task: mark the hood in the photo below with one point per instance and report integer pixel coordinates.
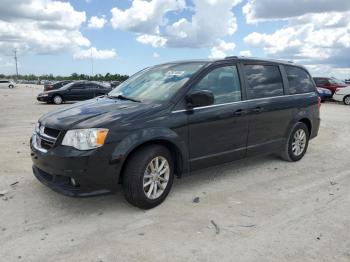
(98, 112)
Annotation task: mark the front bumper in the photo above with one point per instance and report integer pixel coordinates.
(43, 98)
(92, 171)
(338, 97)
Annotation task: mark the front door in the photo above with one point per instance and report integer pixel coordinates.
(218, 133)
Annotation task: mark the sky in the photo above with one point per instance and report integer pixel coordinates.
(124, 36)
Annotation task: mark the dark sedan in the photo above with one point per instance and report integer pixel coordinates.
(76, 91)
(53, 86)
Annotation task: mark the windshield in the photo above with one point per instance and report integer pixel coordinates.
(336, 81)
(158, 83)
(66, 86)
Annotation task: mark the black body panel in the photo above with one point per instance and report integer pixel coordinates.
(197, 137)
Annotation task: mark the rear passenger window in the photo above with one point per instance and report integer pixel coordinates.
(224, 83)
(263, 81)
(299, 80)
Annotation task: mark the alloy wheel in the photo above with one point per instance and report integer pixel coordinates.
(299, 142)
(347, 100)
(57, 100)
(156, 177)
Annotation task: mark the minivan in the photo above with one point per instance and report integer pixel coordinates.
(172, 119)
(7, 83)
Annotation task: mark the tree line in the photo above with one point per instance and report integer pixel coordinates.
(74, 76)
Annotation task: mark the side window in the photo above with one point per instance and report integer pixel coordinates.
(76, 87)
(299, 80)
(224, 83)
(263, 81)
(320, 81)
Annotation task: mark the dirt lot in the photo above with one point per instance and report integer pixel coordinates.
(265, 209)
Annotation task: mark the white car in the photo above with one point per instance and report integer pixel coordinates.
(342, 95)
(7, 84)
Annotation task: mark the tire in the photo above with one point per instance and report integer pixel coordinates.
(137, 175)
(57, 100)
(290, 152)
(11, 86)
(347, 100)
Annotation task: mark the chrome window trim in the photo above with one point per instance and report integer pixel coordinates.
(242, 101)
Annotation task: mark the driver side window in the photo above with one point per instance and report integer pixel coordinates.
(224, 83)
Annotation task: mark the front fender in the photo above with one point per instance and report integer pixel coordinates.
(140, 137)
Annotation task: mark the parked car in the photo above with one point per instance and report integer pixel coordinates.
(7, 83)
(331, 83)
(172, 119)
(342, 95)
(75, 91)
(53, 86)
(324, 93)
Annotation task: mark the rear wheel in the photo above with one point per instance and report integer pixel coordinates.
(57, 100)
(148, 176)
(347, 100)
(297, 143)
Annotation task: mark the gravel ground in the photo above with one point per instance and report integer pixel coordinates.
(261, 209)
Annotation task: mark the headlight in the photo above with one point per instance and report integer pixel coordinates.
(85, 139)
(43, 95)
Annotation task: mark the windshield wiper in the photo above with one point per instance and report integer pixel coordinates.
(122, 97)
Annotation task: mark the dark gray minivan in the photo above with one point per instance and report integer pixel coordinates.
(172, 119)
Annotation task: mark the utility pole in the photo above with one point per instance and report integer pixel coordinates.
(15, 57)
(92, 65)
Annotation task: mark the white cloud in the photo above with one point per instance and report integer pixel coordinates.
(211, 20)
(40, 26)
(259, 10)
(97, 22)
(144, 16)
(154, 40)
(220, 51)
(312, 38)
(95, 54)
(246, 53)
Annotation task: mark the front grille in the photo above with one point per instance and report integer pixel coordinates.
(46, 138)
(51, 132)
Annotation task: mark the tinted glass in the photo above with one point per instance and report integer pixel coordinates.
(321, 81)
(299, 80)
(158, 83)
(336, 81)
(224, 83)
(263, 81)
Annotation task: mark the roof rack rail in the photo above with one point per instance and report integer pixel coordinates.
(231, 57)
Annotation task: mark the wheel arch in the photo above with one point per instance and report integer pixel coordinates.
(308, 123)
(164, 137)
(173, 149)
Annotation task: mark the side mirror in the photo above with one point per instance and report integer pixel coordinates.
(199, 99)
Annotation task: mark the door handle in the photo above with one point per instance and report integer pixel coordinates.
(240, 112)
(257, 110)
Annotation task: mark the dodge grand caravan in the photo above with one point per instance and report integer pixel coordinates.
(172, 119)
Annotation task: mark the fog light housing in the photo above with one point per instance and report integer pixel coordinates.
(73, 182)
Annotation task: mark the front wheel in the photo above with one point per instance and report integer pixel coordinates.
(297, 143)
(347, 100)
(57, 100)
(148, 176)
(11, 86)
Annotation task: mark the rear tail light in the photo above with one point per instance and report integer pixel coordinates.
(319, 102)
